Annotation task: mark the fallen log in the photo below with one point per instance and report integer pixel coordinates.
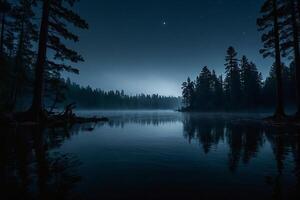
(51, 119)
(69, 117)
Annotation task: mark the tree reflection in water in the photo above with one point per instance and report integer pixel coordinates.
(32, 165)
(245, 140)
(31, 169)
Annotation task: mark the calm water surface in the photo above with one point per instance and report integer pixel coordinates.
(152, 155)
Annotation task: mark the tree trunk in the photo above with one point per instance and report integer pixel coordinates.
(2, 35)
(294, 10)
(279, 113)
(37, 102)
(17, 83)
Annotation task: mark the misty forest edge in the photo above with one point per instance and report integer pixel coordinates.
(29, 74)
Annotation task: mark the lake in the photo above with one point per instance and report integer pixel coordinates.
(152, 155)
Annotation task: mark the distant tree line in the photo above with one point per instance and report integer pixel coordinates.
(242, 88)
(86, 97)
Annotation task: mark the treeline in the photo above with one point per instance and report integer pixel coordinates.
(242, 87)
(89, 98)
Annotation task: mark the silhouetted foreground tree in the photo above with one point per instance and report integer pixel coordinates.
(290, 38)
(5, 9)
(26, 34)
(22, 64)
(269, 23)
(53, 28)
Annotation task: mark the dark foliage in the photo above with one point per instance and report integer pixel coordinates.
(89, 98)
(242, 90)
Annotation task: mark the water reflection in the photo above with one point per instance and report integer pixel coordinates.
(245, 139)
(29, 167)
(33, 166)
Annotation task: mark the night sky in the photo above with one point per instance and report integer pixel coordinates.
(152, 46)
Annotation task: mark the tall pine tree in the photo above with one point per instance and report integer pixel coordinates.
(251, 84)
(5, 8)
(217, 91)
(269, 24)
(26, 31)
(55, 16)
(232, 81)
(188, 93)
(6, 50)
(204, 90)
(290, 37)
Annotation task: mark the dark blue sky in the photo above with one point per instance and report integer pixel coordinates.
(152, 46)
